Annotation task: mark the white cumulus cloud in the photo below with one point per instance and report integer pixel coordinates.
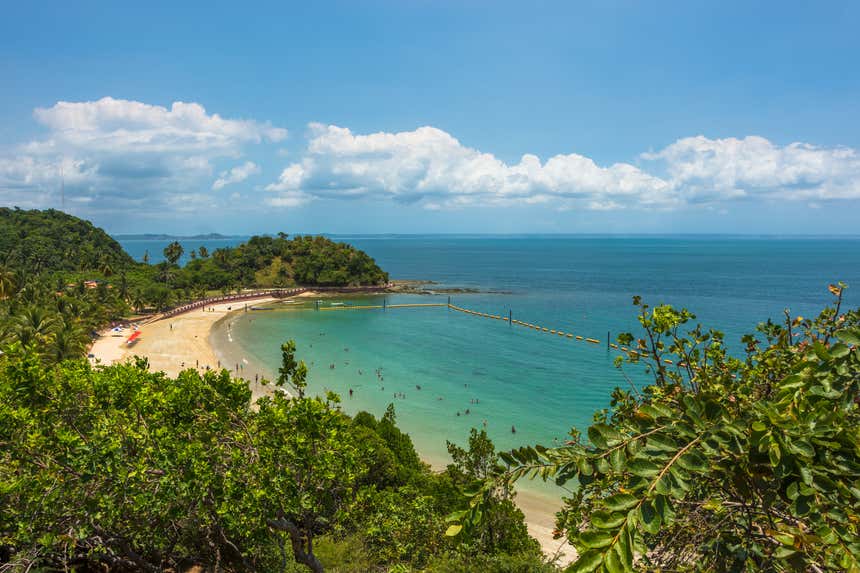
(703, 169)
(430, 167)
(121, 154)
(236, 175)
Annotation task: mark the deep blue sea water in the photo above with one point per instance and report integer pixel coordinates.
(509, 376)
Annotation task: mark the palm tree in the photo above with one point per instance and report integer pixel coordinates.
(137, 300)
(146, 257)
(69, 341)
(161, 299)
(199, 291)
(173, 252)
(123, 287)
(7, 283)
(104, 267)
(165, 272)
(204, 252)
(34, 324)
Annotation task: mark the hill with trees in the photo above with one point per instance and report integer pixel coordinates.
(44, 241)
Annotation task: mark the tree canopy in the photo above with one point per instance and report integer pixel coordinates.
(36, 241)
(132, 470)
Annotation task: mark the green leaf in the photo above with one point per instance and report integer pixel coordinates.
(604, 433)
(585, 468)
(649, 518)
(586, 562)
(612, 562)
(849, 336)
(607, 520)
(661, 442)
(453, 530)
(839, 350)
(693, 461)
(617, 460)
(620, 501)
(643, 468)
(594, 539)
(801, 447)
(774, 454)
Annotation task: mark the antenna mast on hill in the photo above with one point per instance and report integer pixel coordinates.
(62, 188)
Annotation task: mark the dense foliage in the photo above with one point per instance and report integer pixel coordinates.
(282, 261)
(124, 468)
(35, 241)
(723, 464)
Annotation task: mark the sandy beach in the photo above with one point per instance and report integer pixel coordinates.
(176, 343)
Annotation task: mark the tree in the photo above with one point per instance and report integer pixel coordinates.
(502, 527)
(104, 267)
(34, 324)
(722, 463)
(138, 301)
(173, 252)
(291, 373)
(146, 257)
(309, 474)
(204, 252)
(7, 283)
(69, 341)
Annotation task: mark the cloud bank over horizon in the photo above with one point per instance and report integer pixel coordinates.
(114, 154)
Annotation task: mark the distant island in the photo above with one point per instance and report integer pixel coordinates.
(163, 237)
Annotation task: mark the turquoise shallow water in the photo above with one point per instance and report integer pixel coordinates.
(508, 376)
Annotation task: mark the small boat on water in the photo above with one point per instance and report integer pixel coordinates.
(337, 304)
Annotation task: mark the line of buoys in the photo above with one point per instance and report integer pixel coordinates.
(592, 340)
(356, 307)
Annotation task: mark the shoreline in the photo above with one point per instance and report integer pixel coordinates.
(188, 341)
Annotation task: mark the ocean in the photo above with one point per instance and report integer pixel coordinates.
(446, 372)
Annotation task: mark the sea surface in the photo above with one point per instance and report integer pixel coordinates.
(447, 372)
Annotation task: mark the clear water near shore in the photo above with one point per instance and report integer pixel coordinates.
(508, 376)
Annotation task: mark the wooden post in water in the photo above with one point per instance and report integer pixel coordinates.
(607, 340)
(383, 304)
(449, 302)
(510, 316)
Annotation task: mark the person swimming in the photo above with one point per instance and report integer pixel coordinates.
(513, 429)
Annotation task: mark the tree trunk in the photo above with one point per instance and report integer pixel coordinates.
(301, 555)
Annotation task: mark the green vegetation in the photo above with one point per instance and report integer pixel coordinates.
(121, 468)
(723, 464)
(61, 278)
(33, 242)
(279, 262)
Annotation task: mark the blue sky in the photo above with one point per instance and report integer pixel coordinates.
(394, 117)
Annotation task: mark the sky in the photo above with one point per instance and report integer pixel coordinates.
(434, 117)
